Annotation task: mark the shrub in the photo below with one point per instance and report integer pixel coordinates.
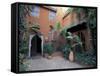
(48, 48)
(22, 65)
(58, 26)
(21, 58)
(23, 50)
(86, 58)
(66, 50)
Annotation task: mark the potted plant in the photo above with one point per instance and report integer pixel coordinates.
(71, 42)
(48, 50)
(69, 39)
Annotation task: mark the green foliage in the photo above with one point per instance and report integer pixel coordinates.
(23, 11)
(23, 50)
(23, 29)
(22, 65)
(66, 50)
(63, 32)
(35, 28)
(21, 58)
(92, 18)
(86, 58)
(90, 15)
(69, 39)
(58, 26)
(48, 48)
(77, 39)
(70, 45)
(22, 55)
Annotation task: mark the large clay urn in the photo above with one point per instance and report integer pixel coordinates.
(71, 56)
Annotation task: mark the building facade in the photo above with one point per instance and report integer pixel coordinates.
(78, 25)
(44, 17)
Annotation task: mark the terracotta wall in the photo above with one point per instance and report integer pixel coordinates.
(42, 20)
(67, 20)
(71, 18)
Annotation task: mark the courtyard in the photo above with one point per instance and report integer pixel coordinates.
(57, 62)
(45, 31)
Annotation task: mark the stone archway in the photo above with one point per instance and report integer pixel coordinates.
(35, 45)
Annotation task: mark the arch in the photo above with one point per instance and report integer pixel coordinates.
(35, 47)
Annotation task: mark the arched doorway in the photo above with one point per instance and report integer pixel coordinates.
(35, 46)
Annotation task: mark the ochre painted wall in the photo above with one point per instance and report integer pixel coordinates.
(59, 15)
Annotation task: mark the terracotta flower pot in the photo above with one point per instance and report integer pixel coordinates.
(49, 57)
(46, 55)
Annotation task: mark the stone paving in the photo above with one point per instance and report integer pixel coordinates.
(57, 62)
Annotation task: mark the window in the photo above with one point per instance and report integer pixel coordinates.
(52, 15)
(35, 11)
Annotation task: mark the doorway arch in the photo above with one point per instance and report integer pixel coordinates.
(35, 45)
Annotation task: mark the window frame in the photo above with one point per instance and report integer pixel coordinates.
(52, 15)
(35, 11)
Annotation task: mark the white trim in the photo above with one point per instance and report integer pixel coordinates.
(30, 37)
(42, 45)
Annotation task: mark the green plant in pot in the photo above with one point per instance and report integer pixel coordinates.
(71, 42)
(70, 48)
(65, 50)
(48, 49)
